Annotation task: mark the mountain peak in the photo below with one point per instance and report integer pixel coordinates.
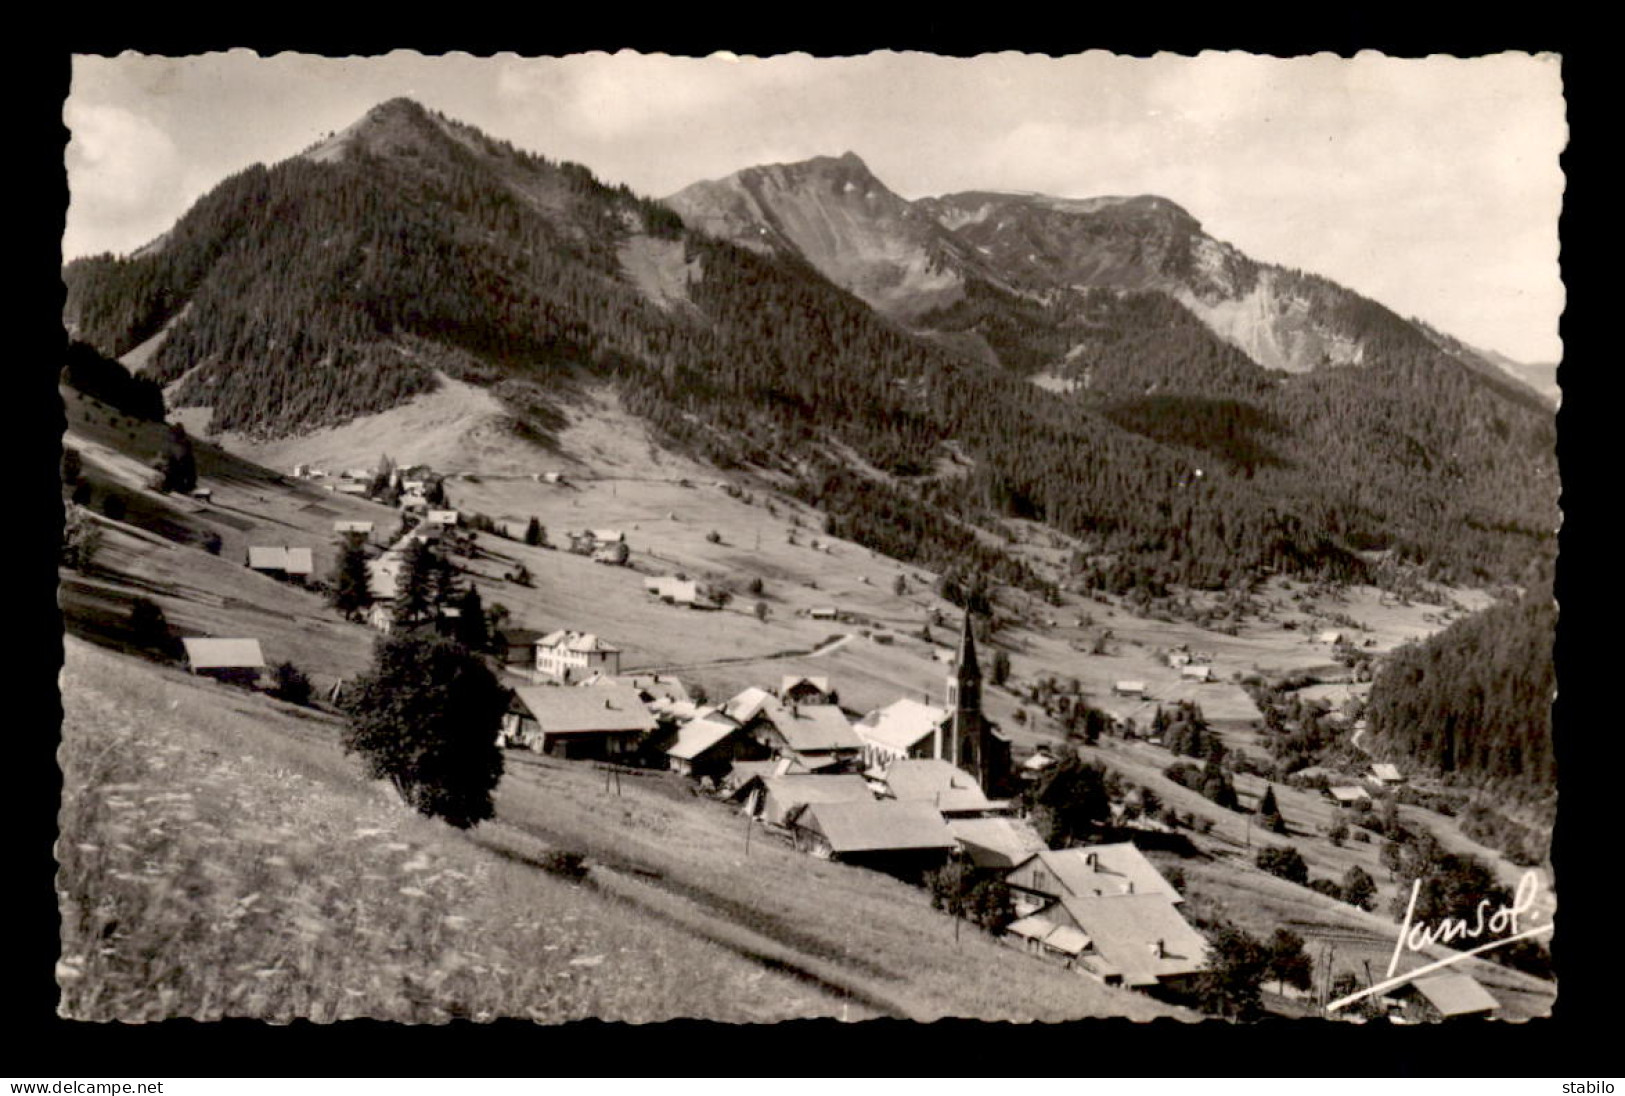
(389, 127)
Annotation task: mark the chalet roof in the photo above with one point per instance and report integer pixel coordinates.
(1115, 869)
(520, 637)
(609, 535)
(1063, 938)
(996, 842)
(745, 705)
(1200, 673)
(224, 654)
(790, 681)
(1382, 770)
(812, 727)
(934, 781)
(1455, 994)
(1038, 762)
(584, 642)
(901, 725)
(1129, 686)
(877, 825)
(605, 707)
(353, 527)
(698, 735)
(793, 789)
(1125, 930)
(1348, 793)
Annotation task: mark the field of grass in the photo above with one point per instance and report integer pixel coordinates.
(219, 857)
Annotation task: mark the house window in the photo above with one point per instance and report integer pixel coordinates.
(1040, 878)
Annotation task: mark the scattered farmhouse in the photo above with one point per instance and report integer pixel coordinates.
(570, 656)
(287, 564)
(825, 612)
(353, 528)
(680, 591)
(1191, 672)
(1178, 660)
(1135, 940)
(600, 721)
(1330, 638)
(238, 661)
(903, 838)
(1386, 774)
(1348, 795)
(444, 519)
(1129, 688)
(1446, 995)
(1094, 871)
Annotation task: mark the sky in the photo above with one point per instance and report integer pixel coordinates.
(1432, 185)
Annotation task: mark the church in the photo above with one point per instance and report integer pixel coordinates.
(971, 740)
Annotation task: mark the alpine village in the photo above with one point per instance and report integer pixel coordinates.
(491, 593)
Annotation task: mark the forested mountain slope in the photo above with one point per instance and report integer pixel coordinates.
(341, 281)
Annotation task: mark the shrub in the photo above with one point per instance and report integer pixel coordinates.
(571, 865)
(290, 683)
(1286, 862)
(81, 539)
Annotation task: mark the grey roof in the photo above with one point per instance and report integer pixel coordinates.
(1455, 994)
(877, 825)
(224, 654)
(698, 735)
(996, 842)
(901, 725)
(1063, 938)
(1125, 930)
(602, 708)
(812, 727)
(936, 782)
(1103, 870)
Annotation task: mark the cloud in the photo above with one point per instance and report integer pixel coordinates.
(123, 173)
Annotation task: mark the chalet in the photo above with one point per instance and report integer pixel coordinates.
(678, 591)
(1387, 775)
(995, 843)
(1178, 660)
(904, 728)
(747, 777)
(943, 654)
(353, 528)
(351, 487)
(288, 564)
(1059, 943)
(444, 519)
(1446, 995)
(1094, 871)
(569, 656)
(603, 721)
(413, 486)
(301, 471)
(519, 646)
(1331, 639)
(952, 791)
(805, 690)
(238, 661)
(1347, 796)
(817, 735)
(607, 536)
(414, 502)
(653, 688)
(1196, 673)
(783, 792)
(614, 554)
(905, 839)
(202, 494)
(708, 746)
(1129, 688)
(1035, 765)
(825, 612)
(1135, 940)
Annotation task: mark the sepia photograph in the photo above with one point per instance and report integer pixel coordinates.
(641, 537)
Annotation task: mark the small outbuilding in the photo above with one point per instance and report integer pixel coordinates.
(238, 661)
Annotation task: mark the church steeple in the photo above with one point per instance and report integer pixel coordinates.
(965, 680)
